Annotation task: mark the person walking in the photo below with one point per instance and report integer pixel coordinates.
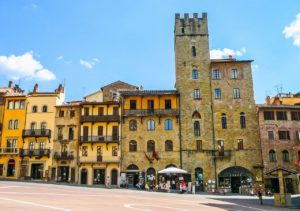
(259, 194)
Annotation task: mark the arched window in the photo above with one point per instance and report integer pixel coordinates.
(272, 156)
(43, 126)
(34, 109)
(170, 165)
(195, 74)
(10, 124)
(45, 108)
(193, 51)
(197, 128)
(196, 115)
(168, 124)
(168, 146)
(132, 167)
(132, 125)
(16, 124)
(285, 156)
(150, 124)
(32, 125)
(150, 146)
(242, 120)
(132, 146)
(224, 121)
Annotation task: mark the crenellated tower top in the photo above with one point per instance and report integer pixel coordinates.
(190, 26)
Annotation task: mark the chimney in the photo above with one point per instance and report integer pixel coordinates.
(268, 100)
(277, 101)
(230, 57)
(10, 84)
(60, 89)
(36, 88)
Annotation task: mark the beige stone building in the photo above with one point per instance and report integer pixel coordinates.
(279, 122)
(219, 130)
(38, 134)
(66, 142)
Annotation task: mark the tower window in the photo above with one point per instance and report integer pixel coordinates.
(272, 156)
(242, 120)
(217, 93)
(240, 144)
(236, 93)
(193, 51)
(270, 135)
(216, 74)
(197, 128)
(195, 74)
(197, 94)
(224, 121)
(182, 30)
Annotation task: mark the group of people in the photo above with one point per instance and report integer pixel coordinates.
(163, 186)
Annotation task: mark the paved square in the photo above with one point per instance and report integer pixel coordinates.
(32, 196)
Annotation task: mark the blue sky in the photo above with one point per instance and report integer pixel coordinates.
(91, 43)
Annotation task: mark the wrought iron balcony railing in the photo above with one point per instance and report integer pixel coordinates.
(99, 139)
(104, 118)
(151, 112)
(37, 133)
(63, 156)
(35, 152)
(9, 151)
(100, 159)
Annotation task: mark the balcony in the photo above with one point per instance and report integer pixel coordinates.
(35, 152)
(221, 154)
(151, 112)
(104, 118)
(9, 151)
(37, 133)
(63, 156)
(100, 159)
(99, 139)
(62, 138)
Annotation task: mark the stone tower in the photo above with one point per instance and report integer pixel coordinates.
(193, 83)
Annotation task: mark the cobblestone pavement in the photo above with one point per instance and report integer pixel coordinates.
(32, 196)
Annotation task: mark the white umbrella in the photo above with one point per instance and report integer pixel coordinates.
(172, 170)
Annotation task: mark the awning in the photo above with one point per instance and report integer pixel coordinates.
(285, 171)
(172, 170)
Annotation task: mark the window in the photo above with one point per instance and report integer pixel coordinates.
(269, 115)
(11, 143)
(132, 125)
(100, 132)
(195, 74)
(216, 74)
(10, 104)
(236, 93)
(22, 104)
(242, 120)
(32, 125)
(72, 113)
(197, 94)
(31, 145)
(150, 124)
(132, 146)
(59, 133)
(45, 108)
(84, 151)
(100, 111)
(197, 128)
(199, 145)
(34, 109)
(193, 51)
(224, 121)
(284, 135)
(61, 113)
(16, 124)
(71, 133)
(295, 116)
(115, 111)
(240, 144)
(168, 104)
(281, 115)
(270, 135)
(168, 124)
(272, 156)
(217, 93)
(86, 111)
(1, 169)
(43, 126)
(196, 115)
(10, 124)
(42, 144)
(150, 146)
(234, 74)
(285, 156)
(298, 135)
(168, 146)
(182, 30)
(114, 151)
(132, 104)
(17, 105)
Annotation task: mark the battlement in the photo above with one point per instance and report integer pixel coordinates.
(191, 26)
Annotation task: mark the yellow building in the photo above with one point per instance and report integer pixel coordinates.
(13, 124)
(65, 145)
(38, 133)
(99, 155)
(150, 134)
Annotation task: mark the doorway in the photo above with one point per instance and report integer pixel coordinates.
(114, 177)
(37, 170)
(99, 176)
(235, 184)
(11, 165)
(83, 177)
(63, 173)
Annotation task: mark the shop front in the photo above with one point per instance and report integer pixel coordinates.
(37, 170)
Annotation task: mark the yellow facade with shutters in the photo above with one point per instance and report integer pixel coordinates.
(99, 154)
(11, 143)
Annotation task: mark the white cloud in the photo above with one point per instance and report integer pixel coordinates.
(89, 64)
(24, 66)
(254, 67)
(221, 54)
(293, 31)
(60, 58)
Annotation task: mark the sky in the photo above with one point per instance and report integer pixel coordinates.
(87, 44)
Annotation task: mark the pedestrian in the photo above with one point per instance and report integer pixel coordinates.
(259, 194)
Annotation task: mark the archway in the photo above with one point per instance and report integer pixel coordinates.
(114, 177)
(170, 165)
(11, 166)
(199, 179)
(235, 177)
(132, 175)
(83, 177)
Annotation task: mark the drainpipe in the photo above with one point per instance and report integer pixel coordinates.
(180, 137)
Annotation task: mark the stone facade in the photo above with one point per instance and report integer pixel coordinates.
(197, 77)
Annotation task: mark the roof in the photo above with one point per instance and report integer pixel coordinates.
(70, 104)
(270, 106)
(273, 171)
(229, 61)
(5, 91)
(119, 82)
(149, 92)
